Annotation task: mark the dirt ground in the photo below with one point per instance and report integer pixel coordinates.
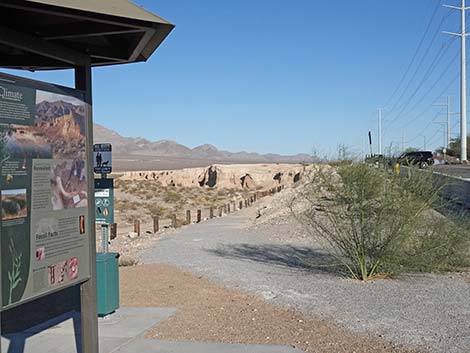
(211, 313)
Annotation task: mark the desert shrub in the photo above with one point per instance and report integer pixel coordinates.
(376, 222)
(131, 205)
(156, 210)
(126, 261)
(222, 193)
(172, 196)
(439, 244)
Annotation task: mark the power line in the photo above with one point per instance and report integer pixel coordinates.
(415, 55)
(418, 116)
(426, 52)
(401, 114)
(438, 58)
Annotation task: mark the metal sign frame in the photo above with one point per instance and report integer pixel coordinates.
(87, 288)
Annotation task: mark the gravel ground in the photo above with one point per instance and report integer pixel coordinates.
(426, 311)
(208, 312)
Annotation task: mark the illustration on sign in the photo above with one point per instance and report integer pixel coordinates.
(102, 158)
(104, 201)
(43, 182)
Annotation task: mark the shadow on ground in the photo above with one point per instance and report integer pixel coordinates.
(289, 256)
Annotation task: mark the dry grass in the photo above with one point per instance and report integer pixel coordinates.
(142, 199)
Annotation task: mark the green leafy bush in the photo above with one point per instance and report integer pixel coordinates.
(376, 222)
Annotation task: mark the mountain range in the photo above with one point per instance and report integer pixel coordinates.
(128, 146)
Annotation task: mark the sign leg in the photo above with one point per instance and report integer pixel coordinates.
(88, 295)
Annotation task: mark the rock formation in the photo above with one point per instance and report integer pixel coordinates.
(250, 176)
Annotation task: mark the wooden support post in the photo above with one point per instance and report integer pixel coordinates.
(246, 203)
(188, 217)
(228, 208)
(156, 224)
(225, 209)
(241, 205)
(220, 211)
(199, 216)
(211, 212)
(137, 227)
(174, 221)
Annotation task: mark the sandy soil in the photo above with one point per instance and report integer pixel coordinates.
(212, 313)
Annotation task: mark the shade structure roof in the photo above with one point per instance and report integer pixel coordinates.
(59, 34)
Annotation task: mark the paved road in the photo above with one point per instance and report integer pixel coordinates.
(461, 171)
(428, 311)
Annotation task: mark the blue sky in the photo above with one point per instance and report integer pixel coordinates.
(284, 76)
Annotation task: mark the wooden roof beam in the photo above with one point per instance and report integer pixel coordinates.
(39, 46)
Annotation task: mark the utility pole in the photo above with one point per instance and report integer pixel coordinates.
(444, 124)
(379, 132)
(463, 82)
(449, 120)
(424, 146)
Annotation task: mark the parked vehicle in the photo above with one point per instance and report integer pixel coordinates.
(422, 159)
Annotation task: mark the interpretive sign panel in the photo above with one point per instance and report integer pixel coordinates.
(104, 201)
(102, 158)
(43, 181)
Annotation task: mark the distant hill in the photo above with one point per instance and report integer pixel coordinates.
(128, 146)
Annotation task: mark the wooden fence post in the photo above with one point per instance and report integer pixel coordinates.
(225, 209)
(173, 221)
(241, 205)
(211, 212)
(228, 208)
(137, 227)
(156, 224)
(199, 216)
(220, 211)
(188, 217)
(113, 234)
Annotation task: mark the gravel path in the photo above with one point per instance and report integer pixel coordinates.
(429, 312)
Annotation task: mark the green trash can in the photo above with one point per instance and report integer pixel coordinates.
(107, 282)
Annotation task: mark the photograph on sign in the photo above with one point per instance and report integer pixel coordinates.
(43, 181)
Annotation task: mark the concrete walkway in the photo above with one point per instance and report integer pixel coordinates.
(122, 332)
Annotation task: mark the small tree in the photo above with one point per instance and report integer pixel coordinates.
(454, 147)
(368, 216)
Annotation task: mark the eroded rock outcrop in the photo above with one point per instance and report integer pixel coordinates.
(250, 176)
(247, 182)
(209, 177)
